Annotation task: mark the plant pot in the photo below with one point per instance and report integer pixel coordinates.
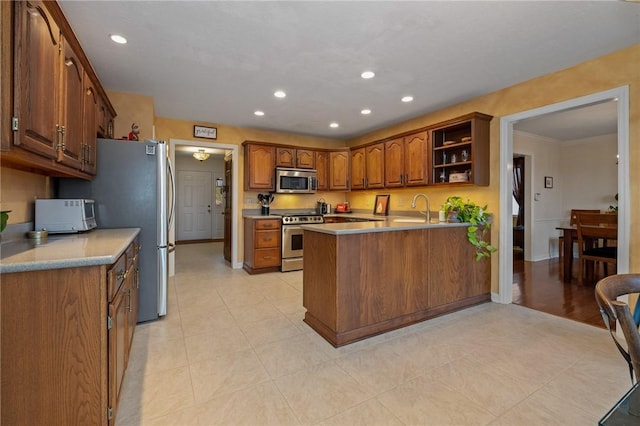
(452, 217)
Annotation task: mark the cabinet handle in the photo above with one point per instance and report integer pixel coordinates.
(406, 178)
(62, 132)
(128, 295)
(267, 238)
(121, 275)
(267, 225)
(401, 179)
(266, 257)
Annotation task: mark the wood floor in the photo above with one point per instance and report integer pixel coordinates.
(539, 286)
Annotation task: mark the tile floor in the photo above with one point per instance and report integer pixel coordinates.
(233, 350)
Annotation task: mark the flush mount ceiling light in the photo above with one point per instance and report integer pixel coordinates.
(259, 113)
(117, 38)
(407, 98)
(365, 111)
(334, 125)
(368, 74)
(279, 94)
(200, 155)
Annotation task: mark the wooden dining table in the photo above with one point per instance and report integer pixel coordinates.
(570, 234)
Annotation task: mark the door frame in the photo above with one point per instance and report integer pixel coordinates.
(234, 194)
(505, 259)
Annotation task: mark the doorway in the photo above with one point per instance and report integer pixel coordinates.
(505, 266)
(231, 152)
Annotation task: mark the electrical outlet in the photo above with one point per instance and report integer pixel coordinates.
(250, 201)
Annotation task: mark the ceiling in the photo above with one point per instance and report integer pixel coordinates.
(219, 61)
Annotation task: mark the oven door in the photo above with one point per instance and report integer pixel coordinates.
(291, 241)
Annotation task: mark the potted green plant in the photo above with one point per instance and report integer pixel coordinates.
(4, 217)
(458, 210)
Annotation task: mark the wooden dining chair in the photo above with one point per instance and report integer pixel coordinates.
(595, 232)
(607, 292)
(573, 218)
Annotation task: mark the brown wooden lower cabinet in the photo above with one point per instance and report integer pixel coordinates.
(66, 337)
(262, 244)
(359, 285)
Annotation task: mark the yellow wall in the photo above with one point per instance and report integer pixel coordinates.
(132, 108)
(603, 73)
(19, 190)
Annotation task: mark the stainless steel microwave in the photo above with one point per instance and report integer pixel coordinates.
(296, 181)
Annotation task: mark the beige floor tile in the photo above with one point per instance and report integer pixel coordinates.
(155, 395)
(153, 357)
(216, 342)
(225, 374)
(321, 392)
(370, 413)
(270, 330)
(203, 322)
(259, 312)
(543, 408)
(290, 355)
(427, 402)
(380, 368)
(472, 379)
(258, 405)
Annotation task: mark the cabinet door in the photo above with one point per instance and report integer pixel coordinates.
(285, 157)
(339, 170)
(394, 163)
(132, 287)
(117, 347)
(37, 71)
(322, 167)
(90, 108)
(358, 168)
(259, 167)
(375, 166)
(71, 84)
(415, 159)
(305, 159)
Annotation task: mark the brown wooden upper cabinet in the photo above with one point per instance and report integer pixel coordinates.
(460, 151)
(56, 95)
(259, 167)
(406, 161)
(339, 170)
(367, 167)
(322, 167)
(295, 158)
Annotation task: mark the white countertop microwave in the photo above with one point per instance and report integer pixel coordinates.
(63, 216)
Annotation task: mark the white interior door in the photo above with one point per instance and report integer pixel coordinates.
(194, 206)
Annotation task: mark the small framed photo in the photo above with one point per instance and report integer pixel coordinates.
(205, 132)
(381, 207)
(548, 182)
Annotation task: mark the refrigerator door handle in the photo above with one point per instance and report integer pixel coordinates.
(171, 248)
(173, 192)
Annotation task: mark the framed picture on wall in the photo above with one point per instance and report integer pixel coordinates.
(548, 182)
(381, 207)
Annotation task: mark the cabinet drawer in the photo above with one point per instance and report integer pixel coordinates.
(116, 276)
(266, 257)
(268, 224)
(267, 239)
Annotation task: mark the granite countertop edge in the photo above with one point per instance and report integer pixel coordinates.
(377, 224)
(93, 248)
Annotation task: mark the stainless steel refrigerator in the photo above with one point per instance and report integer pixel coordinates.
(134, 187)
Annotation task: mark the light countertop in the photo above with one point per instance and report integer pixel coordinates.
(377, 224)
(96, 247)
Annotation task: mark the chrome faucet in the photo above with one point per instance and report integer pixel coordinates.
(427, 213)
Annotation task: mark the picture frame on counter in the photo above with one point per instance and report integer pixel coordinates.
(381, 206)
(205, 132)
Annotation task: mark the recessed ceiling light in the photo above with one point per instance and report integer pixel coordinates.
(117, 38)
(365, 112)
(407, 98)
(259, 113)
(334, 125)
(279, 94)
(368, 74)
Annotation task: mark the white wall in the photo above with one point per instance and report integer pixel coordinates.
(545, 213)
(590, 174)
(584, 177)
